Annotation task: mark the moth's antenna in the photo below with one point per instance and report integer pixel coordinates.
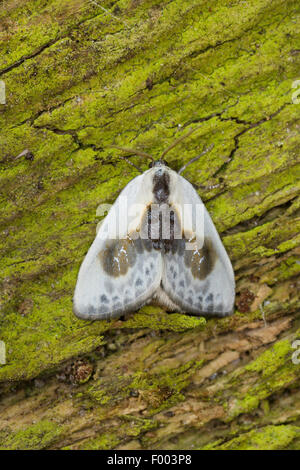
(132, 164)
(207, 149)
(133, 152)
(177, 141)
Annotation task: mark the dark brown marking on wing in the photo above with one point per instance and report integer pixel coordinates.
(118, 256)
(201, 262)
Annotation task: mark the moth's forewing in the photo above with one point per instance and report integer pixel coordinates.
(198, 278)
(119, 273)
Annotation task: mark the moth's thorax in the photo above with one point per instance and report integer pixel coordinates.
(160, 184)
(161, 181)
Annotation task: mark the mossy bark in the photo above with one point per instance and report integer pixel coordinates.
(78, 79)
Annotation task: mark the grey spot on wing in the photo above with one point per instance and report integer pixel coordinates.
(220, 308)
(104, 299)
(91, 310)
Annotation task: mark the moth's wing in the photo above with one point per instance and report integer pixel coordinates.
(199, 282)
(117, 275)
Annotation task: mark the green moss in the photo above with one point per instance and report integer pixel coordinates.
(136, 427)
(285, 270)
(99, 395)
(265, 240)
(295, 444)
(106, 441)
(38, 23)
(249, 200)
(130, 427)
(156, 319)
(268, 362)
(211, 446)
(223, 65)
(161, 389)
(38, 436)
(164, 389)
(267, 438)
(276, 370)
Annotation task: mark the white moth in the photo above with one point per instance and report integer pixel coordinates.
(157, 244)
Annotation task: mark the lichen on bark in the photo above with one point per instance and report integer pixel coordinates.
(78, 80)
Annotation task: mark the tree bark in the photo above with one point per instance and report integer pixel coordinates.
(83, 75)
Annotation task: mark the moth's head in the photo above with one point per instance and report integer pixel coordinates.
(158, 163)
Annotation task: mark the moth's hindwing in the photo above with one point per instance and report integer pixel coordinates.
(117, 275)
(199, 281)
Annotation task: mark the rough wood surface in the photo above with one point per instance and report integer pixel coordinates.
(78, 79)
